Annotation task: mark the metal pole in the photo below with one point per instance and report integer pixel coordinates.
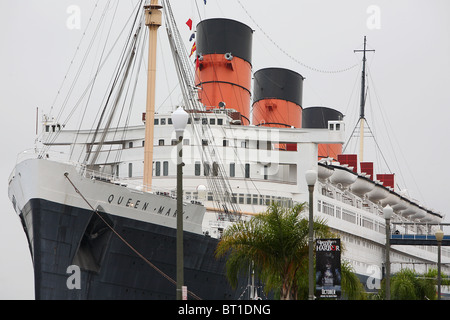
(310, 245)
(362, 101)
(180, 275)
(388, 262)
(153, 22)
(439, 270)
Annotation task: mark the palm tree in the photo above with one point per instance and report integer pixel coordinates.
(351, 286)
(275, 244)
(431, 277)
(408, 285)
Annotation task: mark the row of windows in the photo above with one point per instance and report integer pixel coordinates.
(349, 216)
(212, 121)
(208, 170)
(255, 199)
(157, 172)
(186, 142)
(264, 145)
(352, 200)
(246, 198)
(131, 144)
(162, 121)
(54, 127)
(215, 169)
(158, 168)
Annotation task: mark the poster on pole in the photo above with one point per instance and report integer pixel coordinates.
(183, 292)
(328, 268)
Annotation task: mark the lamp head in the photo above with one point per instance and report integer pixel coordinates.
(311, 177)
(439, 235)
(180, 120)
(387, 212)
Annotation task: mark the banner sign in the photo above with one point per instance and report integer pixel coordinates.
(328, 268)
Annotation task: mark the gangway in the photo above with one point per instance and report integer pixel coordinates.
(397, 238)
(418, 240)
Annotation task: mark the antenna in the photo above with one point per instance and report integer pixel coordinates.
(362, 101)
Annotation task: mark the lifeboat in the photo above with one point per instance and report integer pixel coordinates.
(324, 171)
(343, 175)
(428, 218)
(438, 218)
(378, 193)
(392, 199)
(362, 185)
(402, 204)
(431, 217)
(420, 213)
(410, 210)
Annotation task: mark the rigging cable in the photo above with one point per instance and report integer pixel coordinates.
(52, 138)
(290, 56)
(398, 148)
(66, 175)
(132, 86)
(73, 58)
(127, 59)
(94, 80)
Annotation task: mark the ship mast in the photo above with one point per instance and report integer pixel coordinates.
(153, 22)
(362, 104)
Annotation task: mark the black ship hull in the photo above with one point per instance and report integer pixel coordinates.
(64, 239)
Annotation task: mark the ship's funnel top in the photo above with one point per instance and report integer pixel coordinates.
(278, 83)
(277, 98)
(224, 36)
(318, 117)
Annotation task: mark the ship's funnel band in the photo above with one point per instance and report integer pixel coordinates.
(224, 82)
(277, 113)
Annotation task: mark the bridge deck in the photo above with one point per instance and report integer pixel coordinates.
(417, 240)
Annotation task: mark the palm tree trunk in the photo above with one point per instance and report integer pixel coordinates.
(286, 290)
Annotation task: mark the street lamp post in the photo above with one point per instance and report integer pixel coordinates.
(311, 177)
(439, 236)
(387, 212)
(179, 120)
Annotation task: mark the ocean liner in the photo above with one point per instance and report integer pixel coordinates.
(113, 214)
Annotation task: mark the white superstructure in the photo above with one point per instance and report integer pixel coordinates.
(260, 172)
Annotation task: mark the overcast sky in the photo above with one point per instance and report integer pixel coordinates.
(409, 80)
